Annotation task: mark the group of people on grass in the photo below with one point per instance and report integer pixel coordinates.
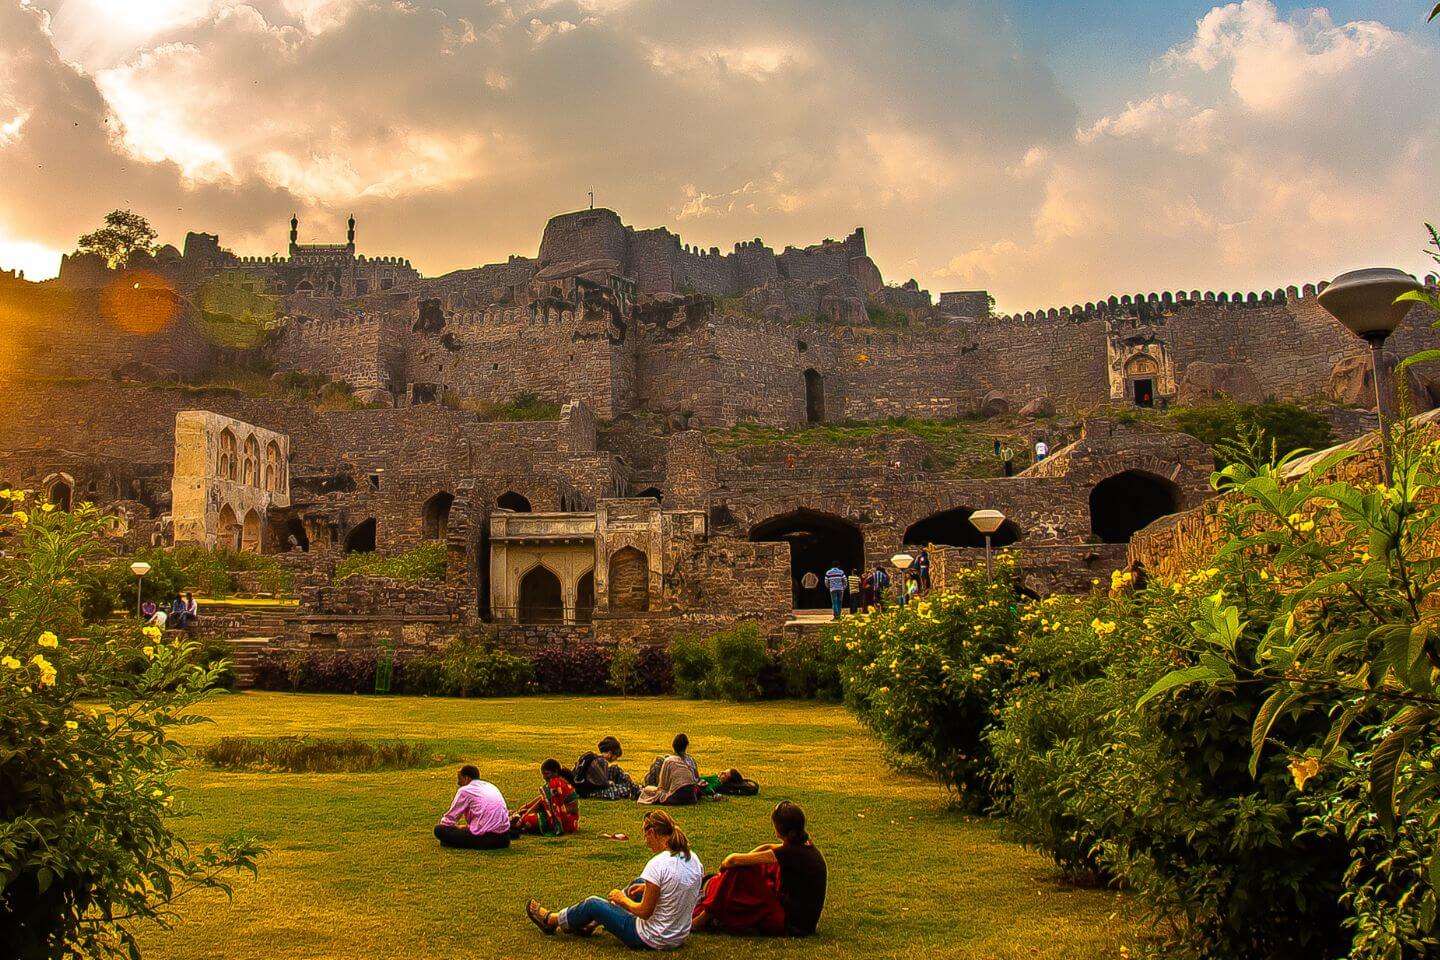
(869, 588)
(776, 889)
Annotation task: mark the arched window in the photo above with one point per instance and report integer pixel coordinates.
(250, 474)
(274, 478)
(510, 500)
(629, 581)
(228, 467)
(1128, 502)
(540, 599)
(435, 516)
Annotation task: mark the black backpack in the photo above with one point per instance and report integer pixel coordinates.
(585, 767)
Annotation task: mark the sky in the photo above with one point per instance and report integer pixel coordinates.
(1050, 151)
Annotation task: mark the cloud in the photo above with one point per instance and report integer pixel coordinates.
(1262, 150)
(1272, 150)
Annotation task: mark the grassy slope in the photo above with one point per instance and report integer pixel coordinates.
(354, 871)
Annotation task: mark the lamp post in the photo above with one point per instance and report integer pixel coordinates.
(987, 522)
(902, 563)
(1364, 301)
(139, 568)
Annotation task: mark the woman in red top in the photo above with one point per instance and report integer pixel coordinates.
(556, 811)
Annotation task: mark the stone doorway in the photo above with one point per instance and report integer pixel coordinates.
(814, 396)
(361, 538)
(817, 542)
(629, 581)
(540, 597)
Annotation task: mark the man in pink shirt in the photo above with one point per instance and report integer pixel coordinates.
(480, 805)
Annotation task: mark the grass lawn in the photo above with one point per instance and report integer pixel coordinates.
(354, 872)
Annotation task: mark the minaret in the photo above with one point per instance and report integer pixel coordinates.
(350, 235)
(294, 233)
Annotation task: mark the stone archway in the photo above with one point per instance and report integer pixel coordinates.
(952, 528)
(61, 493)
(510, 500)
(541, 600)
(435, 516)
(585, 597)
(817, 542)
(250, 532)
(1129, 501)
(361, 538)
(227, 529)
(629, 581)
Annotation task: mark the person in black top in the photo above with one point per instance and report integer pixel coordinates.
(777, 888)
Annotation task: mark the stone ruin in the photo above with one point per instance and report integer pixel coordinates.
(615, 518)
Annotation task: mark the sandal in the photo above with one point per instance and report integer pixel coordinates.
(540, 917)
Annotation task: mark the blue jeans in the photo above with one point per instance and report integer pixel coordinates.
(835, 597)
(619, 921)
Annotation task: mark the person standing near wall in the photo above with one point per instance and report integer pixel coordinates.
(835, 580)
(1042, 450)
(852, 586)
(1007, 457)
(879, 583)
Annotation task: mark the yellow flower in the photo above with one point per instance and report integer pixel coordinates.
(71, 725)
(1102, 628)
(48, 639)
(152, 632)
(1303, 770)
(47, 672)
(47, 507)
(20, 517)
(149, 652)
(11, 662)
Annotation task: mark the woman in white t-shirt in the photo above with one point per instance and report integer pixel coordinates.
(654, 912)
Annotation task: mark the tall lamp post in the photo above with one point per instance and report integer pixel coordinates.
(987, 522)
(1364, 302)
(139, 568)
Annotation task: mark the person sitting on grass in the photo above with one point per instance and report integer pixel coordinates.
(654, 912)
(598, 777)
(777, 889)
(678, 746)
(480, 805)
(556, 811)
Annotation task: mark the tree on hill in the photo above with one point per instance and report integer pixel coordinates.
(124, 234)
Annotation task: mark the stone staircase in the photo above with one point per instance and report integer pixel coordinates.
(246, 651)
(248, 628)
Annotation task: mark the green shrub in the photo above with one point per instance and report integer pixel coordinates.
(306, 754)
(88, 849)
(930, 677)
(727, 665)
(694, 662)
(810, 668)
(625, 668)
(1287, 426)
(425, 562)
(468, 667)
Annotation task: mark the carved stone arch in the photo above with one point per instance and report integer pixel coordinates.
(629, 580)
(540, 597)
(1131, 500)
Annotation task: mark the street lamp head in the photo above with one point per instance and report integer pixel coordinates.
(902, 561)
(1364, 300)
(987, 521)
(139, 568)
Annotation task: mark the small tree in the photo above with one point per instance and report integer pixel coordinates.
(87, 845)
(124, 234)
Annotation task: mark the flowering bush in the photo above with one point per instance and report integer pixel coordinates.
(87, 849)
(931, 676)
